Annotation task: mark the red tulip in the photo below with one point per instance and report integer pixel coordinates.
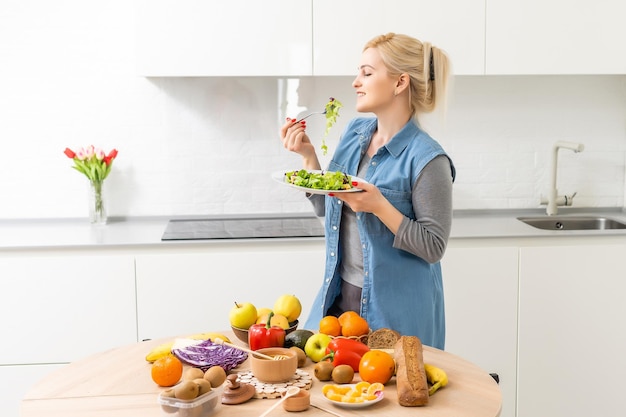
(70, 153)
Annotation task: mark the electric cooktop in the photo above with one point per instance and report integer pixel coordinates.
(243, 228)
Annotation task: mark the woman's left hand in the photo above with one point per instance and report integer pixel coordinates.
(368, 200)
(371, 200)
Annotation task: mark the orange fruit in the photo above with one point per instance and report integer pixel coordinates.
(376, 366)
(166, 371)
(330, 325)
(353, 325)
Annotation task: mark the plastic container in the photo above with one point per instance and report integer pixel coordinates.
(198, 407)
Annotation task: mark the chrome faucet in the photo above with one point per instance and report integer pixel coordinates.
(554, 199)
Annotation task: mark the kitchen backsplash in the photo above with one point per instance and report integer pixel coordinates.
(196, 146)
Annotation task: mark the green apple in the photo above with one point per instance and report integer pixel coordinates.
(316, 345)
(289, 306)
(276, 320)
(242, 315)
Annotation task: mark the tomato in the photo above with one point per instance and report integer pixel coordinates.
(377, 366)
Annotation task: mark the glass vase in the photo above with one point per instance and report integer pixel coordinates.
(97, 209)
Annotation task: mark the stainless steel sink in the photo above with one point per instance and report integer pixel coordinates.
(573, 223)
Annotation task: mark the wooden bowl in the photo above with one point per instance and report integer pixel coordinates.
(242, 334)
(273, 371)
(298, 402)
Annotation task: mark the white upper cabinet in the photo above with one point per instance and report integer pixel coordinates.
(223, 38)
(556, 37)
(341, 29)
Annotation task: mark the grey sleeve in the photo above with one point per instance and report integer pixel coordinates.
(427, 235)
(319, 204)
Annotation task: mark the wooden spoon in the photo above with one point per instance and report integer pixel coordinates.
(250, 351)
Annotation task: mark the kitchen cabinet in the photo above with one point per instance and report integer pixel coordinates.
(226, 38)
(19, 379)
(480, 285)
(59, 308)
(296, 37)
(341, 29)
(191, 291)
(555, 37)
(571, 330)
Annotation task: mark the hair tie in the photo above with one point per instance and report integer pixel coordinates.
(432, 66)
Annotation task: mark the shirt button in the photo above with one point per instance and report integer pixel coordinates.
(374, 163)
(363, 246)
(364, 301)
(332, 254)
(339, 202)
(334, 227)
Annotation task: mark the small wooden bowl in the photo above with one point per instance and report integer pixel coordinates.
(242, 334)
(272, 371)
(298, 402)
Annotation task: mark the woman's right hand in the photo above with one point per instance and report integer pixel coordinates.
(295, 139)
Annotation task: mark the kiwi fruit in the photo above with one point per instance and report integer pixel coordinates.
(301, 356)
(342, 374)
(186, 390)
(216, 375)
(192, 373)
(323, 370)
(204, 386)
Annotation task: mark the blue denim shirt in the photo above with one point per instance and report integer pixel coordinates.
(400, 290)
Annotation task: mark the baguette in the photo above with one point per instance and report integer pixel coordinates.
(411, 381)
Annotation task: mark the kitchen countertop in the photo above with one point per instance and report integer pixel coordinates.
(147, 231)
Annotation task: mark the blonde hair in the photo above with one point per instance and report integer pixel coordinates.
(404, 54)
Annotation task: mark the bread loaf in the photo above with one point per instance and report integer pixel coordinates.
(382, 339)
(411, 379)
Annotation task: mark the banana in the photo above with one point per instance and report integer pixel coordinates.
(436, 377)
(209, 335)
(160, 351)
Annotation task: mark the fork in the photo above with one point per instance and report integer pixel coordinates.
(310, 114)
(250, 351)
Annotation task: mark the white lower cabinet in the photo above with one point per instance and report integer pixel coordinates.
(16, 381)
(184, 292)
(572, 337)
(480, 287)
(62, 307)
(59, 307)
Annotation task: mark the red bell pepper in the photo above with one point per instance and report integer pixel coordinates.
(345, 351)
(265, 335)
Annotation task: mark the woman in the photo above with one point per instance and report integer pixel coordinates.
(383, 245)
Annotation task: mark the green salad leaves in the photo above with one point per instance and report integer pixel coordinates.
(324, 180)
(332, 112)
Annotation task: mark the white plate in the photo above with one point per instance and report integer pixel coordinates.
(379, 397)
(279, 176)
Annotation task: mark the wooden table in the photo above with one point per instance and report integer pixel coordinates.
(117, 383)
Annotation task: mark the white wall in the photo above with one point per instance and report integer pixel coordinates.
(192, 146)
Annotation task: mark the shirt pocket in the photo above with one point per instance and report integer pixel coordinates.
(334, 166)
(401, 200)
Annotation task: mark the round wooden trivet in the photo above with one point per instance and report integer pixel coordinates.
(300, 379)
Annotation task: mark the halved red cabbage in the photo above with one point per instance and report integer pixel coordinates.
(206, 354)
